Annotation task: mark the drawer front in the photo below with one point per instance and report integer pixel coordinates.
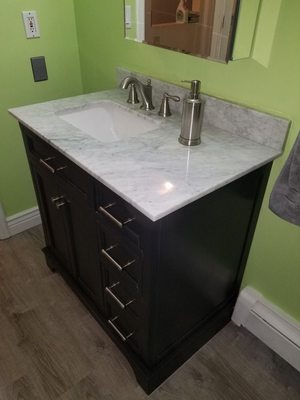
(119, 254)
(123, 324)
(45, 156)
(121, 289)
(117, 213)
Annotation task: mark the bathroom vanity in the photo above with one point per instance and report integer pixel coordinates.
(152, 236)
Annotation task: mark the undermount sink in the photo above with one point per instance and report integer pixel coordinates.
(107, 121)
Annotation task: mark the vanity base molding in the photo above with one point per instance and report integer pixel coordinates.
(159, 289)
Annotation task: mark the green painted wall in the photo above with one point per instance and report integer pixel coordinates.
(58, 43)
(274, 263)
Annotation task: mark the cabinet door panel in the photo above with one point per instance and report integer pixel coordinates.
(83, 233)
(53, 217)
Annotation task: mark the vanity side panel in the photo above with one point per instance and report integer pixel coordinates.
(202, 259)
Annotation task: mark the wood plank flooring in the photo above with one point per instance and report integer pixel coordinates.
(51, 348)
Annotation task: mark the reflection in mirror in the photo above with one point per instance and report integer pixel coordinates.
(204, 28)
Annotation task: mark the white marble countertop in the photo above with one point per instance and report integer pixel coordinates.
(153, 172)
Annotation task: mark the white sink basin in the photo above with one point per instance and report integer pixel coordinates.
(108, 121)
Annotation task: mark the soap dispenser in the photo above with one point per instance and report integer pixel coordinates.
(192, 116)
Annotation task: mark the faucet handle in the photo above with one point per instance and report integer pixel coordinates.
(165, 107)
(132, 96)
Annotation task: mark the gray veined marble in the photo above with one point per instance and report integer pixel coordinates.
(252, 124)
(152, 171)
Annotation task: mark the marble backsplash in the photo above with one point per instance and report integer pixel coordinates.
(251, 124)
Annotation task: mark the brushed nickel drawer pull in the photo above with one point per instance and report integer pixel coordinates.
(123, 337)
(59, 201)
(113, 261)
(43, 161)
(118, 301)
(61, 168)
(60, 204)
(55, 199)
(112, 218)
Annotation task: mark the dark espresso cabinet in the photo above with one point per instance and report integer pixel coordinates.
(64, 194)
(159, 289)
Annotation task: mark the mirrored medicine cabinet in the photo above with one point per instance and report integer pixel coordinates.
(218, 30)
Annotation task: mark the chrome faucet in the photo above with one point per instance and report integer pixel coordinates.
(144, 89)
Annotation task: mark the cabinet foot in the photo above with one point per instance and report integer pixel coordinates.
(151, 379)
(50, 259)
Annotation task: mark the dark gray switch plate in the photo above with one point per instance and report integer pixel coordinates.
(39, 68)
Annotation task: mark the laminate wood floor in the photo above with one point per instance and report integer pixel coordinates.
(51, 348)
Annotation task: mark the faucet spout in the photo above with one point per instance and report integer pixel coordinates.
(145, 91)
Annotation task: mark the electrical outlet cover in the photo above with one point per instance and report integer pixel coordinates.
(31, 25)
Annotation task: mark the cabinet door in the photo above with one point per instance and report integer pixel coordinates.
(83, 233)
(68, 220)
(54, 217)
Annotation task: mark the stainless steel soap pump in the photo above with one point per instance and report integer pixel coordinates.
(192, 116)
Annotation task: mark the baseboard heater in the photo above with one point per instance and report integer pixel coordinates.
(270, 324)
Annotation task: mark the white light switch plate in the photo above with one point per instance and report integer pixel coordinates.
(31, 24)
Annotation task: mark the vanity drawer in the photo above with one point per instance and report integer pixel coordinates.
(121, 289)
(123, 324)
(45, 156)
(120, 215)
(119, 254)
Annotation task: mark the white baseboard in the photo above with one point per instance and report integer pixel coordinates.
(270, 324)
(22, 221)
(4, 232)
